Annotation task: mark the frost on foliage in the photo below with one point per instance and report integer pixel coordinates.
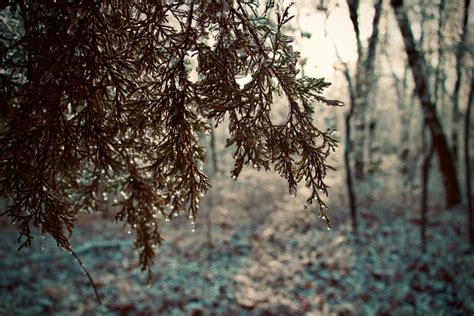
(97, 101)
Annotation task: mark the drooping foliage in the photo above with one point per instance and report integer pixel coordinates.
(113, 94)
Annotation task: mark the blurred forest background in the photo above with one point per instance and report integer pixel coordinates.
(399, 243)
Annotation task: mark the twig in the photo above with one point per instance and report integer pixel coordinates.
(83, 267)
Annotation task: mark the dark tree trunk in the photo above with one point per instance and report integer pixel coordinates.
(347, 153)
(425, 176)
(347, 163)
(418, 67)
(467, 162)
(214, 151)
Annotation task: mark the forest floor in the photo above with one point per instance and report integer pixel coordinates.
(269, 256)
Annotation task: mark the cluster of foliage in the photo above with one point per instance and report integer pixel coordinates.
(101, 94)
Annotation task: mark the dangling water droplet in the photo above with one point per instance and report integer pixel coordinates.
(255, 165)
(329, 228)
(234, 177)
(167, 219)
(190, 216)
(129, 232)
(72, 28)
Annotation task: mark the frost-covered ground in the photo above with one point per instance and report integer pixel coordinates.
(270, 256)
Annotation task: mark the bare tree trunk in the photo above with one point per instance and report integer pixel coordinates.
(363, 80)
(347, 153)
(418, 67)
(467, 162)
(461, 48)
(212, 175)
(347, 163)
(425, 174)
(214, 151)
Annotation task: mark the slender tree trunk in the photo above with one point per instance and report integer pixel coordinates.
(467, 162)
(461, 48)
(418, 67)
(214, 151)
(347, 163)
(212, 175)
(425, 174)
(363, 80)
(347, 154)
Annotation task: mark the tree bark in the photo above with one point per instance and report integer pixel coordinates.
(467, 162)
(347, 153)
(347, 163)
(363, 79)
(425, 177)
(418, 66)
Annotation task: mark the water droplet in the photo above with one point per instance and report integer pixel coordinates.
(329, 228)
(234, 177)
(129, 232)
(71, 29)
(167, 219)
(255, 165)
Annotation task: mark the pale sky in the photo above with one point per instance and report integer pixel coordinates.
(320, 48)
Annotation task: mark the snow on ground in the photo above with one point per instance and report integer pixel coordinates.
(270, 256)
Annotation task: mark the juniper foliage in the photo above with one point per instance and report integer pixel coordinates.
(101, 93)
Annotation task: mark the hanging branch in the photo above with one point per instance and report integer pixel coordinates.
(101, 91)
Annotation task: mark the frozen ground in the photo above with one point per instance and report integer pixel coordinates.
(270, 256)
